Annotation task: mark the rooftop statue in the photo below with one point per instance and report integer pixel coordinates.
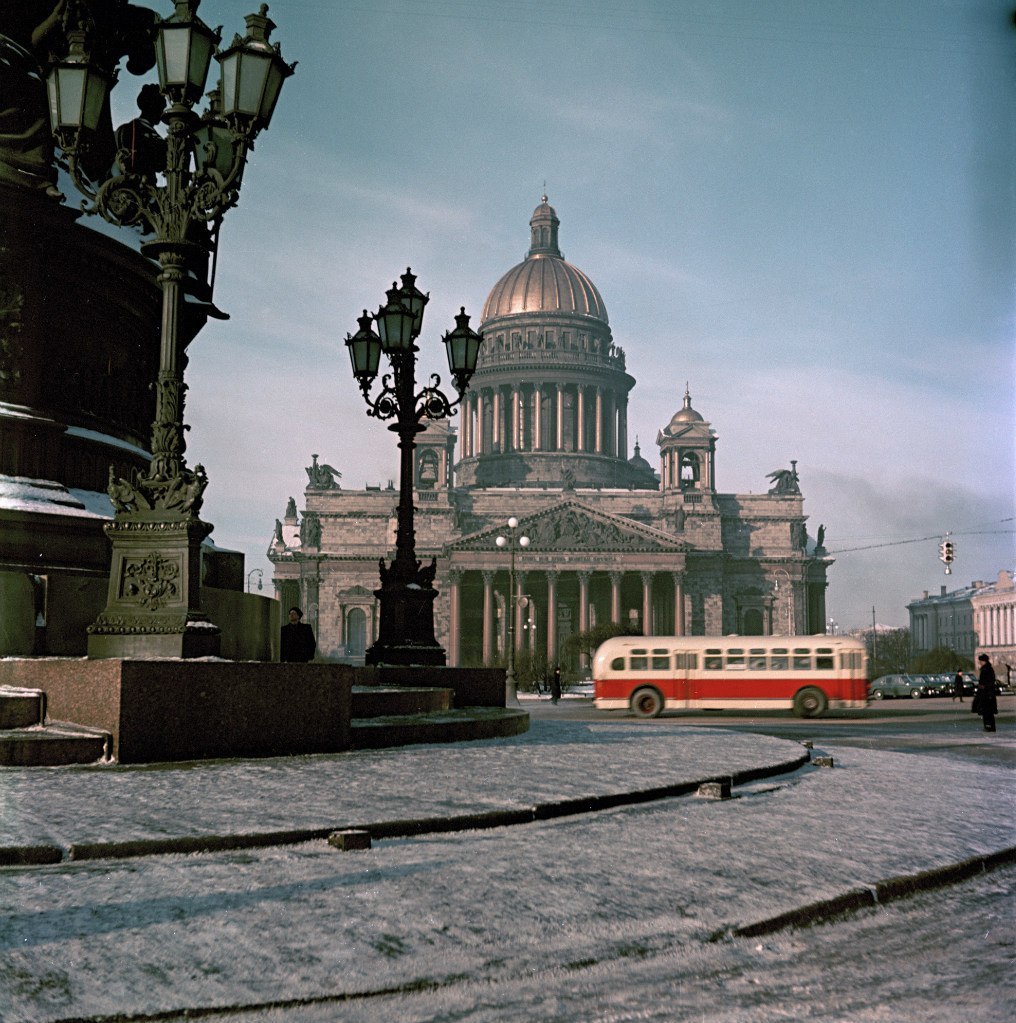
(785, 481)
(322, 477)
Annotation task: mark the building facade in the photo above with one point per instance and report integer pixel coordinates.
(994, 608)
(975, 619)
(543, 436)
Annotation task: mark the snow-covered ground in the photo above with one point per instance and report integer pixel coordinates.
(604, 916)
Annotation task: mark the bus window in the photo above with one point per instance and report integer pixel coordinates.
(735, 658)
(851, 659)
(639, 660)
(661, 660)
(757, 659)
(714, 659)
(778, 659)
(802, 658)
(617, 664)
(824, 658)
(686, 661)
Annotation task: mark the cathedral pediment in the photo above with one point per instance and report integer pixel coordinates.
(573, 526)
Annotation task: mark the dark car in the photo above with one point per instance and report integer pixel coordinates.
(896, 687)
(945, 684)
(936, 685)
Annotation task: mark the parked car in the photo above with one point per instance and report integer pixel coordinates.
(936, 685)
(896, 687)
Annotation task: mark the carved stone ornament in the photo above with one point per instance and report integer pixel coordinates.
(574, 527)
(152, 581)
(138, 625)
(181, 495)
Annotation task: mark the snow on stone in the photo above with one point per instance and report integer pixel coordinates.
(548, 921)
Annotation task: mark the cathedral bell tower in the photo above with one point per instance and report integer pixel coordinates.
(687, 452)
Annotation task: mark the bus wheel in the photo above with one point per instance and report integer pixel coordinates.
(646, 703)
(810, 703)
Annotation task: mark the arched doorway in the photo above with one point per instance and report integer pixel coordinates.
(752, 622)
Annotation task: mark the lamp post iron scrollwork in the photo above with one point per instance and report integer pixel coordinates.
(513, 541)
(176, 189)
(406, 626)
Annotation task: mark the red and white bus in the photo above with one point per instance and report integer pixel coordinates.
(806, 674)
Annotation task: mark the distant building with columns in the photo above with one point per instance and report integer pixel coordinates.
(543, 436)
(994, 609)
(972, 620)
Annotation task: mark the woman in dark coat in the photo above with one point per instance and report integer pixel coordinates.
(985, 702)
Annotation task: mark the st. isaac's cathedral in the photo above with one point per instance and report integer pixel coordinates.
(543, 436)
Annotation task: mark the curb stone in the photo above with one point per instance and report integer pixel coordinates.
(190, 844)
(879, 893)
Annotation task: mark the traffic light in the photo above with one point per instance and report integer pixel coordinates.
(947, 554)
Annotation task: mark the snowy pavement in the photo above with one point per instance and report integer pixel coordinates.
(592, 917)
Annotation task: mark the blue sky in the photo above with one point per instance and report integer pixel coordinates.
(807, 211)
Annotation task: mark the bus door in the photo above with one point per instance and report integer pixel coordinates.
(685, 666)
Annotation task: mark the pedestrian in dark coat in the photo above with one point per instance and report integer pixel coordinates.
(985, 701)
(298, 642)
(958, 686)
(555, 685)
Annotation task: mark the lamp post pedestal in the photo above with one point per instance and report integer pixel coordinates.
(406, 628)
(153, 601)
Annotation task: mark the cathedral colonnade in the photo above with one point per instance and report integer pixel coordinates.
(568, 417)
(553, 603)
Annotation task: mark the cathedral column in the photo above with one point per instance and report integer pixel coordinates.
(611, 433)
(584, 578)
(454, 580)
(516, 419)
(478, 448)
(538, 420)
(580, 425)
(495, 420)
(599, 422)
(678, 603)
(467, 422)
(552, 618)
(615, 597)
(622, 428)
(647, 603)
(560, 417)
(488, 617)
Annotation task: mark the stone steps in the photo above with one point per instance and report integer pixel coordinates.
(383, 716)
(463, 725)
(27, 739)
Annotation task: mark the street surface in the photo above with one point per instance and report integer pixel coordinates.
(937, 726)
(611, 916)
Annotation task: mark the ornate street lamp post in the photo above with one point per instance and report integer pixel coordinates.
(176, 189)
(513, 541)
(406, 596)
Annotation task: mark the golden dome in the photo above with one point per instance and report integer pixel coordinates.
(544, 282)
